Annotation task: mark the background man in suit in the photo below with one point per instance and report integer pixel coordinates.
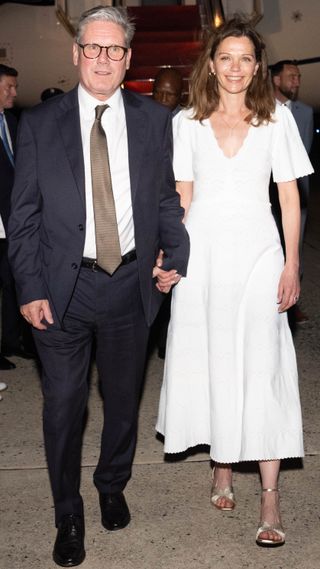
(167, 88)
(11, 321)
(57, 247)
(286, 77)
(50, 92)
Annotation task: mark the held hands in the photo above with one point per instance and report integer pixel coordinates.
(289, 288)
(36, 311)
(165, 279)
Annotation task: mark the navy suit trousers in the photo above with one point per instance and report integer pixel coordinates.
(105, 312)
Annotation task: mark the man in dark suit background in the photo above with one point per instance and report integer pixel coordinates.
(286, 78)
(64, 293)
(167, 90)
(11, 321)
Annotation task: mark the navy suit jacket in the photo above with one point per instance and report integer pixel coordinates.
(48, 219)
(7, 171)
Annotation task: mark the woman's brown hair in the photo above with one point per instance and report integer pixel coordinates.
(204, 95)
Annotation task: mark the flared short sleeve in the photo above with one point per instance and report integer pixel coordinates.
(182, 146)
(289, 156)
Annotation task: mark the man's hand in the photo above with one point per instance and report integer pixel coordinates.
(165, 279)
(36, 311)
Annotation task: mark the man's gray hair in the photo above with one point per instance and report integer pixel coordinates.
(107, 14)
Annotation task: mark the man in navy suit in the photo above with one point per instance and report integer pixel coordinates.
(286, 78)
(11, 321)
(64, 293)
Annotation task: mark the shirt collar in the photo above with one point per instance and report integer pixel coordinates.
(287, 103)
(88, 103)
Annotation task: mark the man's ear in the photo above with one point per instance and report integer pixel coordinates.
(75, 53)
(276, 80)
(128, 58)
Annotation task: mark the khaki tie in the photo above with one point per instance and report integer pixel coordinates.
(106, 227)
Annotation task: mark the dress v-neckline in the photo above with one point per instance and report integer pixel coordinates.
(221, 149)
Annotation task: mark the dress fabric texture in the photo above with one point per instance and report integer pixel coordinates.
(230, 378)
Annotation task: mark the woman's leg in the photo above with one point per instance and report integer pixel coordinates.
(270, 511)
(222, 481)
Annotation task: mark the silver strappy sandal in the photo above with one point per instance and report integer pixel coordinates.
(275, 528)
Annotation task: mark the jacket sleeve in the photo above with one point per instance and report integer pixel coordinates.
(174, 239)
(25, 219)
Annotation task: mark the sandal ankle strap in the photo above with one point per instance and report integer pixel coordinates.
(270, 490)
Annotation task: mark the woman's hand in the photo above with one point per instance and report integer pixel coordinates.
(289, 288)
(165, 279)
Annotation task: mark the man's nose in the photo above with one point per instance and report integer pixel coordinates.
(103, 55)
(163, 98)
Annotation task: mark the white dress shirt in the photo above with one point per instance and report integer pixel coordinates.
(288, 103)
(114, 124)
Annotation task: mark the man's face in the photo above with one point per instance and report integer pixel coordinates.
(8, 91)
(288, 82)
(167, 91)
(101, 77)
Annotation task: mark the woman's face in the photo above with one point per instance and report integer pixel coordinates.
(234, 64)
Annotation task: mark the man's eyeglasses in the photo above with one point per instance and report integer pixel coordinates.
(93, 50)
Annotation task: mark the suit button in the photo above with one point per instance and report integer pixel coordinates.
(80, 227)
(74, 265)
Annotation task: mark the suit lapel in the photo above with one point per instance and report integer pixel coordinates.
(69, 125)
(12, 125)
(136, 132)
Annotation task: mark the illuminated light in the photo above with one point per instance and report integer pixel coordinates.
(218, 21)
(217, 14)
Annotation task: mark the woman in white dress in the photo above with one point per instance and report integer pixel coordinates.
(230, 377)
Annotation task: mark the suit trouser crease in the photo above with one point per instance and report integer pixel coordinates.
(107, 310)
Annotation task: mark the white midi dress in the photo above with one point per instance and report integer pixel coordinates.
(230, 377)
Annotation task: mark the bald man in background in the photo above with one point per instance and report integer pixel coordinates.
(167, 90)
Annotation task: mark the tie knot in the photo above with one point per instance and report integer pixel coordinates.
(100, 110)
(1, 117)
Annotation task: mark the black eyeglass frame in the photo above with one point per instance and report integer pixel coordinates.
(101, 47)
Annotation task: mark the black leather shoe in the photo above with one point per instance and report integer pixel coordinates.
(114, 511)
(69, 545)
(6, 364)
